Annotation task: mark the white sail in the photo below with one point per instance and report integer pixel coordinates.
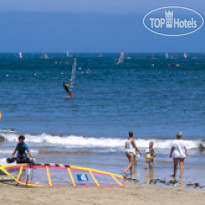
(73, 74)
(20, 55)
(121, 58)
(185, 55)
(67, 54)
(100, 55)
(45, 56)
(128, 57)
(166, 55)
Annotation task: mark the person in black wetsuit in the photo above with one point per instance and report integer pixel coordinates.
(22, 149)
(67, 89)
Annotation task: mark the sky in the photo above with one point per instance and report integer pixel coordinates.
(90, 26)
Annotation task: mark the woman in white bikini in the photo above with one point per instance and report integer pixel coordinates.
(130, 151)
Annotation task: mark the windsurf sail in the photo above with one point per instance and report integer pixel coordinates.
(58, 175)
(73, 74)
(166, 55)
(121, 58)
(67, 54)
(185, 55)
(20, 55)
(152, 56)
(45, 56)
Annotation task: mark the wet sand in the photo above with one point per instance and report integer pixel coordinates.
(10, 194)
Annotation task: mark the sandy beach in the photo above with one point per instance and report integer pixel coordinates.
(130, 194)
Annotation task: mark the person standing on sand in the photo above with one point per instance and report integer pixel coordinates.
(131, 149)
(179, 153)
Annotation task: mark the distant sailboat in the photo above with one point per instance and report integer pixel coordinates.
(67, 54)
(152, 56)
(185, 55)
(121, 58)
(128, 57)
(20, 55)
(45, 56)
(100, 55)
(166, 55)
(70, 86)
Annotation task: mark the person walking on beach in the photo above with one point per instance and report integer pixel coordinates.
(179, 153)
(21, 149)
(131, 149)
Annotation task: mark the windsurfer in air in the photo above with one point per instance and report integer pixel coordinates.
(22, 149)
(67, 89)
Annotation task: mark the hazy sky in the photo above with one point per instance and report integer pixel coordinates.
(90, 26)
(95, 6)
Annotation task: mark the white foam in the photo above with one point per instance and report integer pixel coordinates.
(90, 142)
(5, 151)
(9, 151)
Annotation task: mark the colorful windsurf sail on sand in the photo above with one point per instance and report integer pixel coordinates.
(73, 74)
(57, 175)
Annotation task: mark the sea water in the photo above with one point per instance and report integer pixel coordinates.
(146, 94)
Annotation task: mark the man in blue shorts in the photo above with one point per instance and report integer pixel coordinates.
(22, 149)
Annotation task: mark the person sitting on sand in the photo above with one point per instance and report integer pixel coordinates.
(131, 149)
(21, 149)
(179, 153)
(150, 155)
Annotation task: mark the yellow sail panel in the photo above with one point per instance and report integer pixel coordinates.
(55, 175)
(49, 176)
(71, 176)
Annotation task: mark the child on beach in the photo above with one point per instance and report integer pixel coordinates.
(150, 155)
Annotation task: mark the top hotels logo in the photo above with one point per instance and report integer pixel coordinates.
(173, 21)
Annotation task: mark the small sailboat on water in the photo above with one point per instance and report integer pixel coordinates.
(100, 55)
(152, 56)
(69, 87)
(68, 54)
(45, 56)
(128, 57)
(20, 55)
(166, 55)
(121, 58)
(185, 56)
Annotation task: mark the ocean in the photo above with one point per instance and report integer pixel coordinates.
(148, 93)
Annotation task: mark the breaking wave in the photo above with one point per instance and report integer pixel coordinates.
(90, 142)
